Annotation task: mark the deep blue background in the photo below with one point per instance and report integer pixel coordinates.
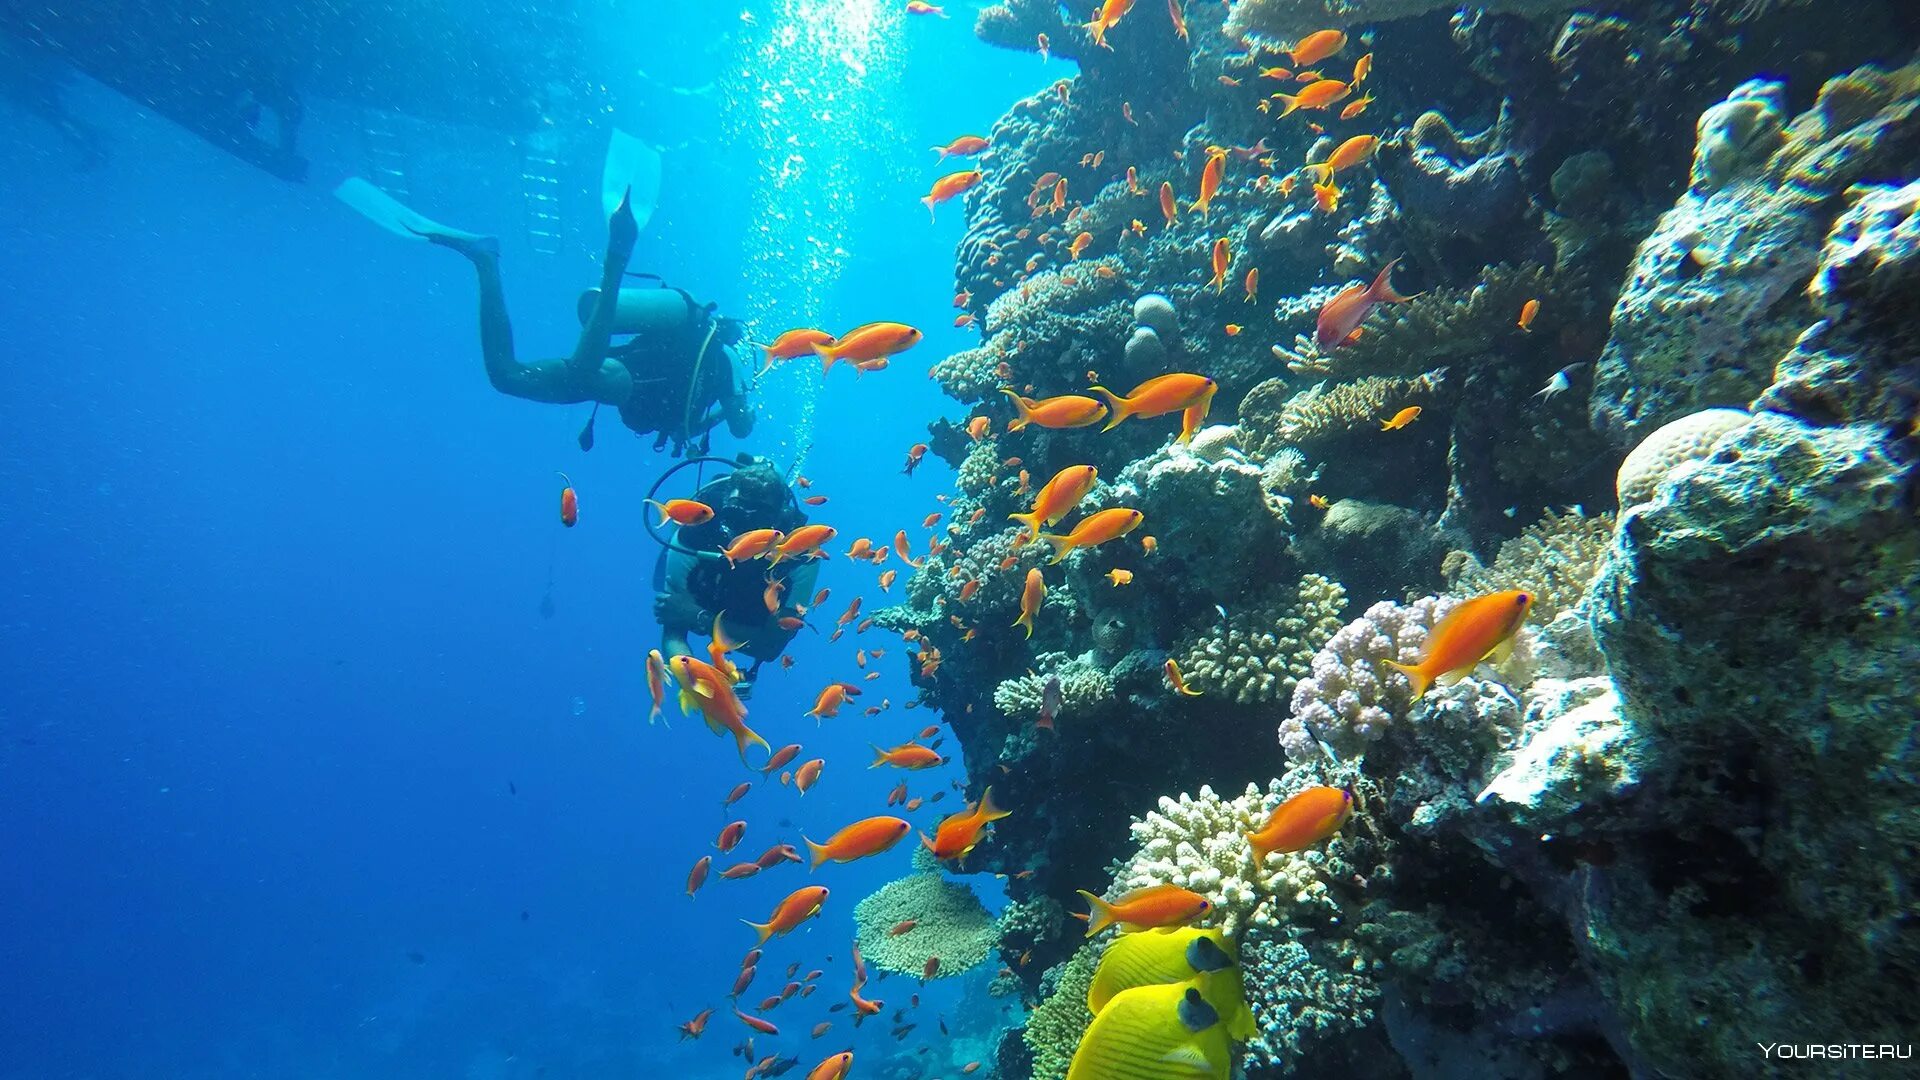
(271, 557)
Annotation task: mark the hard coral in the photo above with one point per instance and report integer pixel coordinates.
(1289, 20)
(1351, 697)
(1689, 438)
(950, 923)
(1555, 559)
(1258, 655)
(1054, 1027)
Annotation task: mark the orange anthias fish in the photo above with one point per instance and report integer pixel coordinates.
(964, 146)
(1346, 156)
(1060, 495)
(1401, 419)
(1065, 411)
(1133, 181)
(829, 702)
(804, 543)
(958, 834)
(1079, 245)
(799, 906)
(1150, 908)
(1178, 680)
(868, 836)
(1302, 821)
(1169, 209)
(1045, 45)
(886, 580)
(1474, 631)
(1318, 95)
(569, 503)
(1326, 197)
(1528, 311)
(865, 344)
(1182, 392)
(1252, 285)
(706, 688)
(1211, 177)
(1342, 315)
(1032, 594)
(1179, 19)
(693, 1028)
(834, 1068)
(1316, 47)
(921, 7)
(751, 545)
(698, 875)
(1355, 108)
(1093, 529)
(1222, 259)
(808, 774)
(908, 755)
(914, 454)
(798, 342)
(1362, 68)
(1109, 15)
(656, 682)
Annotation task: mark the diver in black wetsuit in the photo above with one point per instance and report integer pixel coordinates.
(681, 374)
(693, 583)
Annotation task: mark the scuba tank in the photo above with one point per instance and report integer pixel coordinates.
(658, 312)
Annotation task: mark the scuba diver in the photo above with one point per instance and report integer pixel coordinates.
(693, 583)
(681, 373)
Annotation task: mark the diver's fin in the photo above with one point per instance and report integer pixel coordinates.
(632, 172)
(586, 433)
(397, 218)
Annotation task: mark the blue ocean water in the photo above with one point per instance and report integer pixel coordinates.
(295, 779)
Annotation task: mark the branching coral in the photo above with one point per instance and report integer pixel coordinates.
(1261, 653)
(1200, 843)
(1555, 559)
(1329, 410)
(950, 923)
(1350, 698)
(1302, 988)
(1084, 688)
(1439, 325)
(1054, 1028)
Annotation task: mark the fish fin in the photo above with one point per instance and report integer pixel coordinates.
(879, 757)
(746, 737)
(765, 929)
(1420, 679)
(1026, 620)
(1118, 408)
(1062, 546)
(1100, 917)
(664, 516)
(1023, 415)
(1501, 652)
(1260, 851)
(986, 810)
(702, 689)
(1187, 1061)
(1292, 104)
(826, 355)
(818, 851)
(1031, 521)
(1382, 291)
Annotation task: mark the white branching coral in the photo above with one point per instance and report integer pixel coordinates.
(1084, 686)
(1200, 843)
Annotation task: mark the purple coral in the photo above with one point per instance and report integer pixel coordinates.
(1351, 697)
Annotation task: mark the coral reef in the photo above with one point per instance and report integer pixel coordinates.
(950, 922)
(1717, 292)
(1555, 559)
(1456, 184)
(1084, 687)
(1688, 438)
(1054, 1028)
(1350, 697)
(1287, 20)
(1257, 656)
(1329, 410)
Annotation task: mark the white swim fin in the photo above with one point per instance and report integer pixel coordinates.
(387, 212)
(632, 172)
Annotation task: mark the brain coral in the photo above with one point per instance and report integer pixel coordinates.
(1688, 438)
(950, 922)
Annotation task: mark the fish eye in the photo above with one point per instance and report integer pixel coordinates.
(1523, 598)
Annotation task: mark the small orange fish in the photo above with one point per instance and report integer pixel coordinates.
(1232, 329)
(657, 688)
(1340, 317)
(815, 500)
(833, 1068)
(966, 591)
(1356, 107)
(1222, 259)
(730, 836)
(1211, 177)
(770, 596)
(1120, 577)
(1252, 285)
(1178, 680)
(1473, 631)
(803, 543)
(1318, 502)
(1150, 908)
(1302, 821)
(1228, 80)
(1318, 95)
(808, 774)
(1309, 77)
(909, 755)
(921, 7)
(963, 297)
(1059, 202)
(1316, 47)
(1401, 419)
(1181, 392)
(1362, 68)
(799, 906)
(1126, 113)
(964, 146)
(1528, 311)
(886, 579)
(1169, 209)
(829, 702)
(1032, 594)
(963, 320)
(1092, 530)
(1346, 156)
(868, 836)
(1275, 73)
(949, 186)
(797, 342)
(569, 503)
(1065, 411)
(1326, 197)
(1148, 545)
(1080, 244)
(958, 834)
(867, 343)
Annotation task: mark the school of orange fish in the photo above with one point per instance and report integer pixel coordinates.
(1469, 634)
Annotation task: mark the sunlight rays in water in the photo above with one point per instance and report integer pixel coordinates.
(809, 107)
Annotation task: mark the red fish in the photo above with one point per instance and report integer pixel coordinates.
(698, 875)
(1341, 317)
(764, 1027)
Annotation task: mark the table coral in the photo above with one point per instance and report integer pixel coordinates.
(950, 923)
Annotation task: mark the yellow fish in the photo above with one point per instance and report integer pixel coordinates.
(1154, 1033)
(1401, 419)
(1175, 956)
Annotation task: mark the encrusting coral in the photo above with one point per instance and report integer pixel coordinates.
(1258, 655)
(949, 922)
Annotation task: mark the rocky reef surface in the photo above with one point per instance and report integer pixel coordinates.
(1683, 817)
